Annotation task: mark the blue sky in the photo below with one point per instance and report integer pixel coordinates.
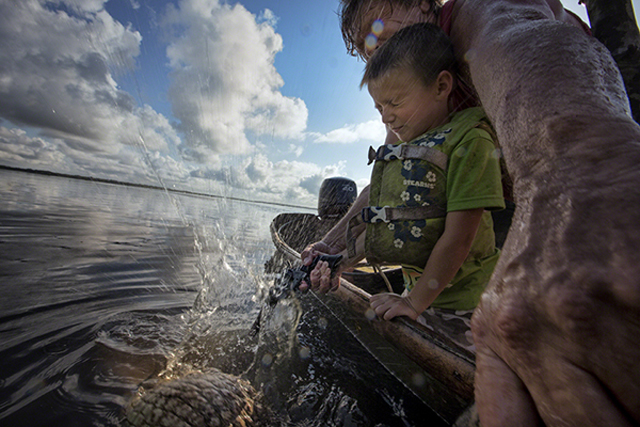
(251, 99)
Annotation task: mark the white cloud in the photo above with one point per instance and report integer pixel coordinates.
(268, 17)
(17, 148)
(258, 178)
(224, 81)
(59, 65)
(56, 75)
(296, 150)
(373, 130)
(149, 129)
(81, 5)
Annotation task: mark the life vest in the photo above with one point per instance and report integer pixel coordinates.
(408, 194)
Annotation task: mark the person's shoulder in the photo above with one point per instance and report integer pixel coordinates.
(557, 8)
(468, 117)
(475, 127)
(553, 9)
(481, 136)
(507, 7)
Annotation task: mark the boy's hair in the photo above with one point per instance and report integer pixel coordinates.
(423, 48)
(351, 14)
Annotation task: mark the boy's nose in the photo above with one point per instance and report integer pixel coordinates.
(387, 117)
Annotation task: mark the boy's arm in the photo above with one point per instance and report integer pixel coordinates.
(446, 259)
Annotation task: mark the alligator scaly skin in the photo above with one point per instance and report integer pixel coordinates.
(199, 399)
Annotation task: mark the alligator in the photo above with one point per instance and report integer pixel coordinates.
(199, 399)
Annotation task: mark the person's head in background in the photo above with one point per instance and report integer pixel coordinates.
(410, 78)
(367, 24)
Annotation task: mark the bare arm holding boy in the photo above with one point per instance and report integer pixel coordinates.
(556, 328)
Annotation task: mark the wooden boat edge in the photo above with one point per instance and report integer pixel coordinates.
(434, 352)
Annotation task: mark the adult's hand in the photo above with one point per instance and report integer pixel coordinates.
(321, 276)
(315, 249)
(557, 342)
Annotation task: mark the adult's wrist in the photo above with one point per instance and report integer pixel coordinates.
(332, 248)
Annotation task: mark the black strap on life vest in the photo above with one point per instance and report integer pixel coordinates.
(405, 151)
(373, 214)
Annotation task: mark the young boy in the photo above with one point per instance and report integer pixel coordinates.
(440, 187)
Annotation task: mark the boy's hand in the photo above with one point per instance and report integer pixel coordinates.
(388, 305)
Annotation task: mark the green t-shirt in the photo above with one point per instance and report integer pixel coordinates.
(473, 180)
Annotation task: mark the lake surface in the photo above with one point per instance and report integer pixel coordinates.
(107, 286)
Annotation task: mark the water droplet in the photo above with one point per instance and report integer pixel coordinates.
(418, 379)
(370, 314)
(322, 322)
(377, 27)
(304, 352)
(371, 41)
(470, 55)
(267, 359)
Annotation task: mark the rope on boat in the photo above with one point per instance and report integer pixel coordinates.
(377, 269)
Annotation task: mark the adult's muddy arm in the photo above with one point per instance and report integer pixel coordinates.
(557, 327)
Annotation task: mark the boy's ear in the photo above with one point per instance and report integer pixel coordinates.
(444, 84)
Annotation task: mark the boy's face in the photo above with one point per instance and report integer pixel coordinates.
(408, 106)
(381, 19)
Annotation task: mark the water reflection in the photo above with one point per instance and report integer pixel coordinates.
(98, 284)
(107, 288)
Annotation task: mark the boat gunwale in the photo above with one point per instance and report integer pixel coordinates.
(432, 351)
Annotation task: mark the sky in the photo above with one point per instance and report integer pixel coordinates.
(254, 99)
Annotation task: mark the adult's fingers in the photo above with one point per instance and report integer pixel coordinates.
(308, 255)
(320, 277)
(335, 282)
(314, 276)
(501, 397)
(545, 380)
(325, 277)
(568, 396)
(580, 397)
(315, 249)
